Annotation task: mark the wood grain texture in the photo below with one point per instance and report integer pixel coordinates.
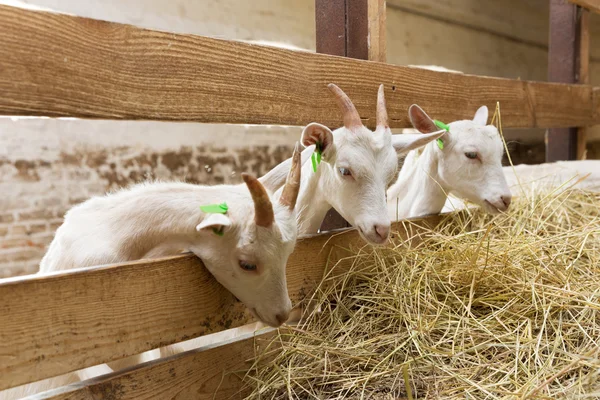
(60, 65)
(357, 29)
(207, 373)
(51, 325)
(583, 72)
(330, 23)
(377, 29)
(592, 5)
(563, 54)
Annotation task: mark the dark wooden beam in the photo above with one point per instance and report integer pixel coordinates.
(592, 5)
(355, 29)
(583, 69)
(565, 64)
(330, 16)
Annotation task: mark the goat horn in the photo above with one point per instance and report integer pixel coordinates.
(292, 183)
(382, 116)
(351, 116)
(263, 209)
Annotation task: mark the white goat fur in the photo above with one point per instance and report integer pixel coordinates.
(160, 219)
(359, 198)
(371, 159)
(428, 176)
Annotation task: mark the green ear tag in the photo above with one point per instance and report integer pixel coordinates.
(440, 144)
(316, 157)
(215, 208)
(441, 125)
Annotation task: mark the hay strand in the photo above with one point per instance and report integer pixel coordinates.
(497, 307)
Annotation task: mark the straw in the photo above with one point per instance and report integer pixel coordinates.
(482, 307)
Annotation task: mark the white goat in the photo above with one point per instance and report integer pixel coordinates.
(248, 255)
(466, 162)
(358, 165)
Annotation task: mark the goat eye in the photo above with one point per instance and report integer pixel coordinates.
(345, 171)
(247, 266)
(471, 155)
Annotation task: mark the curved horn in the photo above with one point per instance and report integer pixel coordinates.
(351, 116)
(382, 116)
(292, 183)
(263, 209)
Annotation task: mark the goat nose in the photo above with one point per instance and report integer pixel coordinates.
(282, 317)
(506, 199)
(383, 231)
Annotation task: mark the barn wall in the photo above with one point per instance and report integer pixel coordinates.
(48, 165)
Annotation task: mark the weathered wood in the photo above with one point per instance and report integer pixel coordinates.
(583, 71)
(51, 325)
(377, 29)
(333, 220)
(592, 5)
(330, 23)
(357, 29)
(563, 55)
(206, 373)
(61, 65)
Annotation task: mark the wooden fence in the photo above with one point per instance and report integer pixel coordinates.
(66, 66)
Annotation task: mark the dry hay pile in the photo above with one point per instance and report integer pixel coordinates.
(485, 307)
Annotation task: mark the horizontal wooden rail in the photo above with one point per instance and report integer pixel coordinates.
(51, 325)
(592, 5)
(66, 66)
(203, 374)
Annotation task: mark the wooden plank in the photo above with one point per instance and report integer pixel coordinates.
(206, 373)
(357, 29)
(592, 5)
(333, 220)
(330, 23)
(51, 325)
(583, 72)
(61, 65)
(563, 54)
(377, 31)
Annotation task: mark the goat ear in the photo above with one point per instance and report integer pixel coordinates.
(405, 142)
(316, 133)
(481, 116)
(420, 120)
(215, 222)
(275, 178)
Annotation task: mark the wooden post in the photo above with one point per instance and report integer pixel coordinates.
(350, 28)
(583, 68)
(568, 57)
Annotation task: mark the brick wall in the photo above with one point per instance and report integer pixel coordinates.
(51, 165)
